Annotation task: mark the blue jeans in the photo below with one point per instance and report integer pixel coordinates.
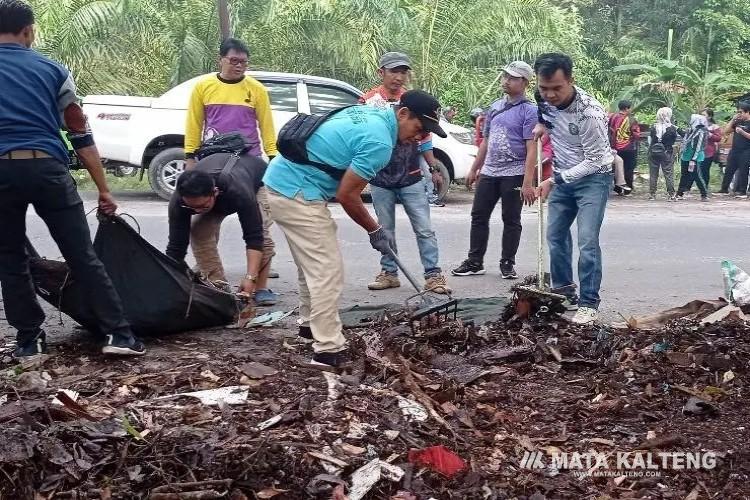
(584, 200)
(429, 186)
(417, 208)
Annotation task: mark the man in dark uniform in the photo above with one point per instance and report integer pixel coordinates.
(219, 185)
(38, 99)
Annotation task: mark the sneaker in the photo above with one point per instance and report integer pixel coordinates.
(305, 332)
(704, 198)
(437, 283)
(571, 303)
(265, 297)
(332, 359)
(273, 274)
(507, 270)
(468, 268)
(626, 190)
(124, 346)
(31, 347)
(672, 198)
(437, 203)
(740, 197)
(585, 316)
(618, 190)
(679, 197)
(384, 281)
(651, 197)
(571, 297)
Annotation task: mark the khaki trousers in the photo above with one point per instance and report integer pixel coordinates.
(204, 239)
(269, 247)
(311, 233)
(619, 168)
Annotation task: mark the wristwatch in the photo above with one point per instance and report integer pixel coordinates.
(432, 169)
(251, 277)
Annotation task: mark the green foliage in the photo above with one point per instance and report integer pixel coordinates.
(458, 46)
(670, 83)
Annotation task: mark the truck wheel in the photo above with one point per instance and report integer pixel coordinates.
(164, 170)
(126, 171)
(445, 174)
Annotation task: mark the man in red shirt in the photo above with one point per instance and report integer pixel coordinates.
(478, 116)
(624, 132)
(402, 181)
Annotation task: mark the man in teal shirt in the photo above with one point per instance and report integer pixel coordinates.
(359, 141)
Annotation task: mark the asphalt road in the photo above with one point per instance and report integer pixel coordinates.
(656, 254)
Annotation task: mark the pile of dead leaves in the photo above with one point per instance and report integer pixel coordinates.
(451, 414)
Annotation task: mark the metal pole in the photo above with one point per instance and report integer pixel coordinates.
(540, 229)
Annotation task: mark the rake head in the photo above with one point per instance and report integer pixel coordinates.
(530, 299)
(430, 311)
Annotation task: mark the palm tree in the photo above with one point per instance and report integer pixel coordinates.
(128, 46)
(452, 43)
(671, 83)
(146, 46)
(465, 44)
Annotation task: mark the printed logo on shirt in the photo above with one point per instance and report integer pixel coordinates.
(573, 129)
(210, 133)
(357, 115)
(378, 98)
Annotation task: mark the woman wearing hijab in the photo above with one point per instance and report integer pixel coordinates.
(661, 141)
(693, 154)
(712, 147)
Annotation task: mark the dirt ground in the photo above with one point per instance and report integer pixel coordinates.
(502, 399)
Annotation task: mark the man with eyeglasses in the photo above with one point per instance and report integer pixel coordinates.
(205, 195)
(224, 102)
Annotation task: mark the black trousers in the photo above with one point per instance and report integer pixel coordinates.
(47, 185)
(705, 173)
(489, 191)
(687, 178)
(629, 162)
(737, 162)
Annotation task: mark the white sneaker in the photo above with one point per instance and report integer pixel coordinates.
(585, 316)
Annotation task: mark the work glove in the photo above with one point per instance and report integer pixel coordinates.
(382, 241)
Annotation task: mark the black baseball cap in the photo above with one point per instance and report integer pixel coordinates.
(427, 109)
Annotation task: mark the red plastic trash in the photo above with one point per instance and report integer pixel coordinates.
(439, 459)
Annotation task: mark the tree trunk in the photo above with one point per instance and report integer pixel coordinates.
(618, 22)
(224, 27)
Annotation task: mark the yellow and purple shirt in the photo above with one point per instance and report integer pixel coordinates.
(218, 106)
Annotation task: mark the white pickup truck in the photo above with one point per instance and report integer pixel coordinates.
(148, 132)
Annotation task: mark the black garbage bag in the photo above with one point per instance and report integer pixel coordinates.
(159, 294)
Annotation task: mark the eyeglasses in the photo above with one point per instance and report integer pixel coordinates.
(236, 61)
(202, 208)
